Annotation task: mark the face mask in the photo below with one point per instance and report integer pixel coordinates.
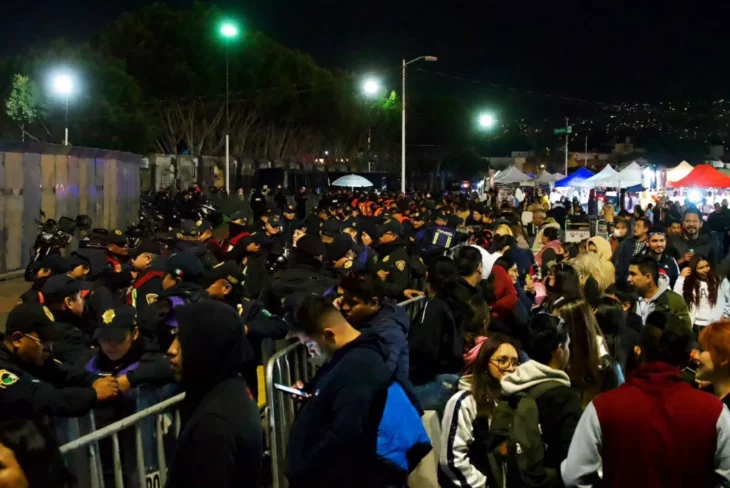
(617, 233)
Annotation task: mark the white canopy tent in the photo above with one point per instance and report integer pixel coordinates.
(543, 178)
(599, 179)
(679, 172)
(511, 175)
(629, 176)
(353, 181)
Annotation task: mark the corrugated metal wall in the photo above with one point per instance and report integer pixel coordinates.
(61, 181)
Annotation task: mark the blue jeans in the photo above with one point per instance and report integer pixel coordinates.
(436, 393)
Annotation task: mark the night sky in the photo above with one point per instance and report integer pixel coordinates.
(601, 51)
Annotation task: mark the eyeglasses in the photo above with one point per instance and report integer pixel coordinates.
(504, 363)
(45, 344)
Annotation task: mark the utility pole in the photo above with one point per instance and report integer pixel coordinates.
(586, 161)
(567, 129)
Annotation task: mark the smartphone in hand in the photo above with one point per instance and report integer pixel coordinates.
(291, 391)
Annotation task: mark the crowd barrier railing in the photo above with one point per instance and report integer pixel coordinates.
(143, 476)
(148, 437)
(285, 368)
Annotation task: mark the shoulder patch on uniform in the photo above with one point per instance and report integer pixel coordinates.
(348, 264)
(386, 258)
(108, 316)
(7, 379)
(151, 298)
(49, 314)
(375, 259)
(401, 265)
(19, 302)
(199, 223)
(118, 232)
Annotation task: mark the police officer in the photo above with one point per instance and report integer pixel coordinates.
(51, 265)
(393, 264)
(180, 285)
(304, 273)
(258, 204)
(126, 355)
(289, 224)
(330, 229)
(280, 199)
(301, 201)
(254, 260)
(149, 268)
(117, 250)
(32, 384)
(190, 240)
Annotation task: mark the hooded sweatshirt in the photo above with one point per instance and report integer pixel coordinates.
(456, 468)
(333, 440)
(560, 407)
(655, 430)
(221, 439)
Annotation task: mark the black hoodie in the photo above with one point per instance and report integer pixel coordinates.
(333, 440)
(220, 444)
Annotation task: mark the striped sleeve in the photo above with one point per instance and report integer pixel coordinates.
(457, 436)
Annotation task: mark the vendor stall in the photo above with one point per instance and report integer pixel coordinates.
(679, 172)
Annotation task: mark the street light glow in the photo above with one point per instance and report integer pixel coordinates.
(229, 30)
(371, 87)
(63, 84)
(486, 121)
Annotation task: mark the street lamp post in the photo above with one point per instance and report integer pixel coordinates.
(228, 31)
(486, 122)
(403, 120)
(371, 88)
(63, 85)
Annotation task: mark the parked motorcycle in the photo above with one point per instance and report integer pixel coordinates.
(52, 238)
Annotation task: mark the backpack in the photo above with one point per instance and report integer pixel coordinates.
(402, 441)
(515, 446)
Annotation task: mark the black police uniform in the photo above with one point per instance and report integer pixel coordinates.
(32, 392)
(394, 258)
(304, 274)
(258, 205)
(301, 200)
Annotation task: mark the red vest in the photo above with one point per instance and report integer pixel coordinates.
(138, 283)
(657, 431)
(229, 244)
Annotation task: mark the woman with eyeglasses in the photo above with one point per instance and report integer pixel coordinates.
(465, 426)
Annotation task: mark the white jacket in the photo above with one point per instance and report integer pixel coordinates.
(704, 314)
(457, 436)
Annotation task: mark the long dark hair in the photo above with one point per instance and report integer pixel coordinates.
(479, 322)
(443, 276)
(485, 388)
(691, 289)
(585, 365)
(611, 320)
(37, 454)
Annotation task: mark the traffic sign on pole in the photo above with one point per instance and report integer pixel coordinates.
(563, 130)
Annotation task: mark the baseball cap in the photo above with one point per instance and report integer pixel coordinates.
(61, 286)
(311, 246)
(115, 323)
(331, 228)
(117, 238)
(54, 262)
(146, 245)
(391, 226)
(184, 265)
(238, 215)
(188, 228)
(30, 317)
(290, 209)
(227, 270)
(338, 248)
(657, 229)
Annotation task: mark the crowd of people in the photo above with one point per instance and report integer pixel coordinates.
(604, 362)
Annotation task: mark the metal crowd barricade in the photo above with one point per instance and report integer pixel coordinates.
(91, 441)
(285, 368)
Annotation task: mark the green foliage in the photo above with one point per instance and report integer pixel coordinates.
(25, 104)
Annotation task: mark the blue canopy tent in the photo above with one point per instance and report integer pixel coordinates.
(570, 180)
